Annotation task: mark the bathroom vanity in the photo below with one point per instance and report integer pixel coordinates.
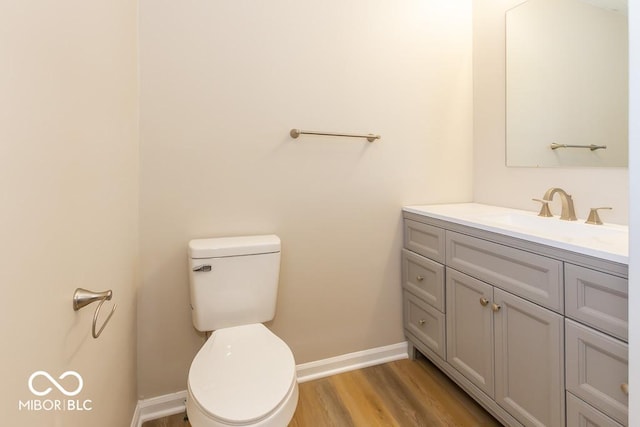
(527, 314)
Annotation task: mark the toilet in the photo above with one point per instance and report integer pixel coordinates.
(244, 375)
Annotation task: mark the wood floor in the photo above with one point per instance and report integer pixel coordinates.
(404, 393)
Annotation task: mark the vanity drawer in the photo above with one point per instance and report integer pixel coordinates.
(424, 278)
(597, 299)
(581, 414)
(425, 323)
(596, 369)
(533, 277)
(424, 239)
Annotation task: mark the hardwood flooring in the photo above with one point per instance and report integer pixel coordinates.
(170, 421)
(404, 393)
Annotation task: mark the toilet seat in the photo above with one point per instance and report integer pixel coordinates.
(242, 375)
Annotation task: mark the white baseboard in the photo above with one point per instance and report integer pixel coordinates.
(158, 407)
(174, 403)
(350, 362)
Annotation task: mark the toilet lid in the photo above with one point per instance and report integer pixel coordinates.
(242, 373)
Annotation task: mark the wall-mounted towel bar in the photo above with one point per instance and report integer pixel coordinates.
(591, 147)
(297, 132)
(84, 297)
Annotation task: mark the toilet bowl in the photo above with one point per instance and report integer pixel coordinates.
(242, 376)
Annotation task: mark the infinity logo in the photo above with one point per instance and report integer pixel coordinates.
(55, 383)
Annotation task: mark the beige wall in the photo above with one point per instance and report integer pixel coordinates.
(222, 85)
(496, 184)
(69, 195)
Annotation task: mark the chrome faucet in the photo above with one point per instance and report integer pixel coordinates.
(568, 211)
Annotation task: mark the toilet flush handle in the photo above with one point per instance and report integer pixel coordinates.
(203, 267)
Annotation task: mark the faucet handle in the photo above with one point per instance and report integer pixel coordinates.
(594, 218)
(544, 209)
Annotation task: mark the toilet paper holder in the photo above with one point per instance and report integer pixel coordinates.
(83, 297)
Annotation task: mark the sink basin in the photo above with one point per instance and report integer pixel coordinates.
(576, 231)
(607, 241)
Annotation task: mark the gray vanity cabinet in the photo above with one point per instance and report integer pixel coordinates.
(536, 334)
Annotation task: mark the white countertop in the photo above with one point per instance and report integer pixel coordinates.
(608, 241)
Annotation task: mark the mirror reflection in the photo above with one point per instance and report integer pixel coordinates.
(567, 83)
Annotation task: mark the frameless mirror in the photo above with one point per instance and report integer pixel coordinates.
(567, 83)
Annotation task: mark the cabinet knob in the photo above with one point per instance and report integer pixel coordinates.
(625, 389)
(419, 278)
(484, 301)
(495, 307)
(422, 322)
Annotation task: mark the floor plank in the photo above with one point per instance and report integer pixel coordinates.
(404, 393)
(170, 421)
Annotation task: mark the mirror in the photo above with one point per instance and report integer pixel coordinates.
(567, 83)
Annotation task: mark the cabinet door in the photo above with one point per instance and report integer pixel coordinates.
(470, 328)
(529, 357)
(598, 369)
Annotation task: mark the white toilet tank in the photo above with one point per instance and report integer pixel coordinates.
(233, 280)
